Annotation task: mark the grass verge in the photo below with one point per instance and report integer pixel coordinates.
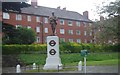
(73, 59)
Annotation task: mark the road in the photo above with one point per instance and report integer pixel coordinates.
(90, 69)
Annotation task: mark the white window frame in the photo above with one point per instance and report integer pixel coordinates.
(78, 40)
(61, 22)
(18, 17)
(85, 33)
(78, 23)
(62, 31)
(69, 23)
(45, 19)
(37, 19)
(28, 18)
(90, 33)
(62, 39)
(6, 15)
(70, 32)
(91, 41)
(45, 39)
(85, 41)
(38, 39)
(29, 27)
(85, 24)
(70, 40)
(78, 32)
(90, 24)
(37, 29)
(46, 30)
(18, 25)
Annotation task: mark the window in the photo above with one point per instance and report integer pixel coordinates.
(18, 17)
(28, 27)
(70, 23)
(78, 41)
(78, 24)
(70, 32)
(61, 22)
(85, 33)
(90, 24)
(70, 40)
(62, 31)
(45, 39)
(90, 41)
(45, 19)
(37, 29)
(37, 19)
(90, 33)
(17, 26)
(62, 39)
(77, 32)
(28, 18)
(85, 24)
(38, 40)
(6, 15)
(85, 41)
(46, 30)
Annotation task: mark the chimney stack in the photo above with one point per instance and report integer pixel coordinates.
(85, 14)
(58, 7)
(64, 8)
(34, 2)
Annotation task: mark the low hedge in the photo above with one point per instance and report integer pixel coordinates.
(17, 49)
(65, 47)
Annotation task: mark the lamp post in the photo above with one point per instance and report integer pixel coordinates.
(41, 24)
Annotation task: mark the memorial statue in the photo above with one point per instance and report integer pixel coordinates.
(53, 22)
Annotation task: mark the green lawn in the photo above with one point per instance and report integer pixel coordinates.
(73, 59)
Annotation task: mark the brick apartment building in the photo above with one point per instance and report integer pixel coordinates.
(71, 26)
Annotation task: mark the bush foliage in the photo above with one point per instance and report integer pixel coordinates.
(65, 47)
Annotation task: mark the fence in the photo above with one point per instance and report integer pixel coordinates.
(27, 69)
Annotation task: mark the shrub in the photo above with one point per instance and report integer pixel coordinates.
(65, 47)
(17, 49)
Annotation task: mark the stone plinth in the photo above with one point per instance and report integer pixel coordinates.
(53, 59)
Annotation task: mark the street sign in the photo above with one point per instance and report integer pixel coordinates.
(84, 53)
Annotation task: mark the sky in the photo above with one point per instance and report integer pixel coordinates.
(76, 5)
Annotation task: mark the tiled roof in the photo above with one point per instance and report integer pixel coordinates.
(46, 11)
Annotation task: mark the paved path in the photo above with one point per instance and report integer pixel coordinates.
(98, 69)
(90, 69)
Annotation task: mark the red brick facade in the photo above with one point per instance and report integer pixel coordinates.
(24, 22)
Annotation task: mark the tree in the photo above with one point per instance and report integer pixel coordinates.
(13, 6)
(11, 35)
(26, 36)
(9, 32)
(109, 28)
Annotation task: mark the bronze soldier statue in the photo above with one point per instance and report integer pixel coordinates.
(53, 22)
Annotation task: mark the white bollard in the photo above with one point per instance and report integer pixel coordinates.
(84, 64)
(34, 66)
(80, 66)
(18, 70)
